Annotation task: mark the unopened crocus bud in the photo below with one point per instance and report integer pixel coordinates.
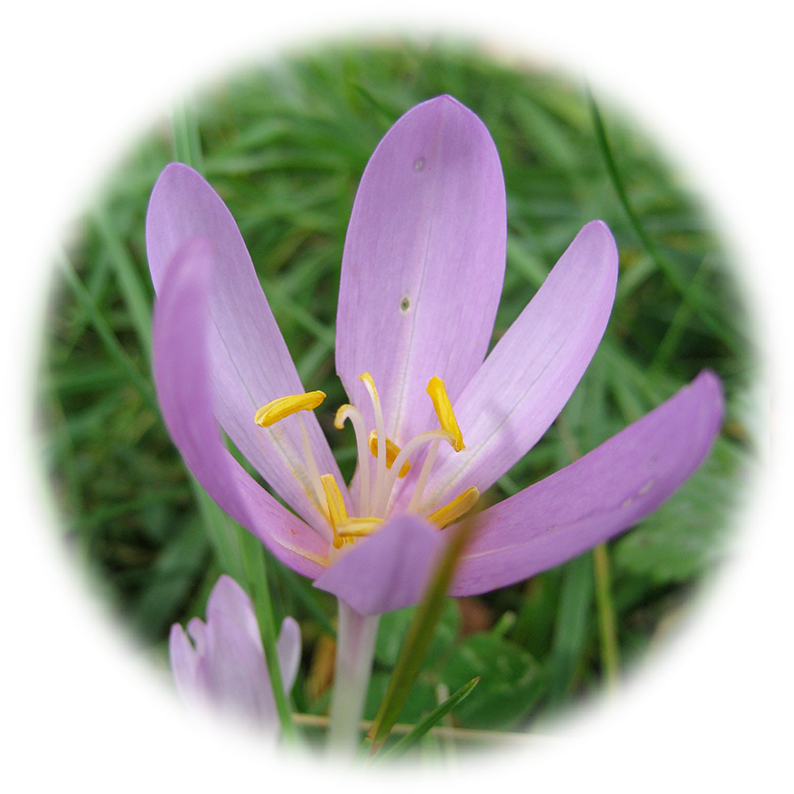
(222, 675)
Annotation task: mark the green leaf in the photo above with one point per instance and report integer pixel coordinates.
(686, 535)
(511, 680)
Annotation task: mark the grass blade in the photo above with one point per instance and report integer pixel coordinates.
(421, 728)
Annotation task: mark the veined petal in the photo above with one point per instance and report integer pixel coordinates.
(598, 496)
(250, 362)
(534, 368)
(181, 373)
(388, 570)
(423, 264)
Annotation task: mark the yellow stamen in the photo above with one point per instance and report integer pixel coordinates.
(380, 427)
(438, 394)
(282, 407)
(458, 507)
(359, 527)
(336, 506)
(392, 451)
(369, 382)
(341, 414)
(357, 420)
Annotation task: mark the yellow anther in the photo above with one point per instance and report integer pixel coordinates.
(458, 507)
(336, 505)
(369, 382)
(282, 407)
(359, 527)
(341, 415)
(392, 451)
(438, 394)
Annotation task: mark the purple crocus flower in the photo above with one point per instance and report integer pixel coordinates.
(224, 666)
(436, 422)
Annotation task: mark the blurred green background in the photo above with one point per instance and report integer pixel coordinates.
(285, 146)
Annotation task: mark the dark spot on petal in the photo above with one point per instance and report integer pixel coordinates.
(405, 304)
(419, 164)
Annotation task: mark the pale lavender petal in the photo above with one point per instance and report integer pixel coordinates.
(197, 630)
(237, 675)
(423, 263)
(225, 683)
(532, 371)
(184, 665)
(181, 374)
(229, 603)
(389, 570)
(289, 651)
(250, 361)
(597, 497)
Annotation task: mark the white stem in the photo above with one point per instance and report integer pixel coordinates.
(355, 647)
(424, 476)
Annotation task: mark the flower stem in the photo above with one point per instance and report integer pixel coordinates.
(355, 647)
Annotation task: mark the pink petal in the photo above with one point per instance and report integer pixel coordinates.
(389, 570)
(532, 371)
(250, 361)
(181, 374)
(428, 229)
(597, 497)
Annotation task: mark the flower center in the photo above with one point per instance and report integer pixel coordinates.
(391, 462)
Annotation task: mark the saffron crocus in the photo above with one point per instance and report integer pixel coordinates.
(436, 422)
(224, 667)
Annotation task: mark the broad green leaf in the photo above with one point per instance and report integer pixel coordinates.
(511, 681)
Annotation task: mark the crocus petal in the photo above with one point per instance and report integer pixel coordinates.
(250, 362)
(289, 652)
(598, 496)
(181, 374)
(534, 368)
(237, 675)
(423, 263)
(389, 570)
(224, 681)
(184, 665)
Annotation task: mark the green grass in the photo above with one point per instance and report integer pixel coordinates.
(285, 147)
